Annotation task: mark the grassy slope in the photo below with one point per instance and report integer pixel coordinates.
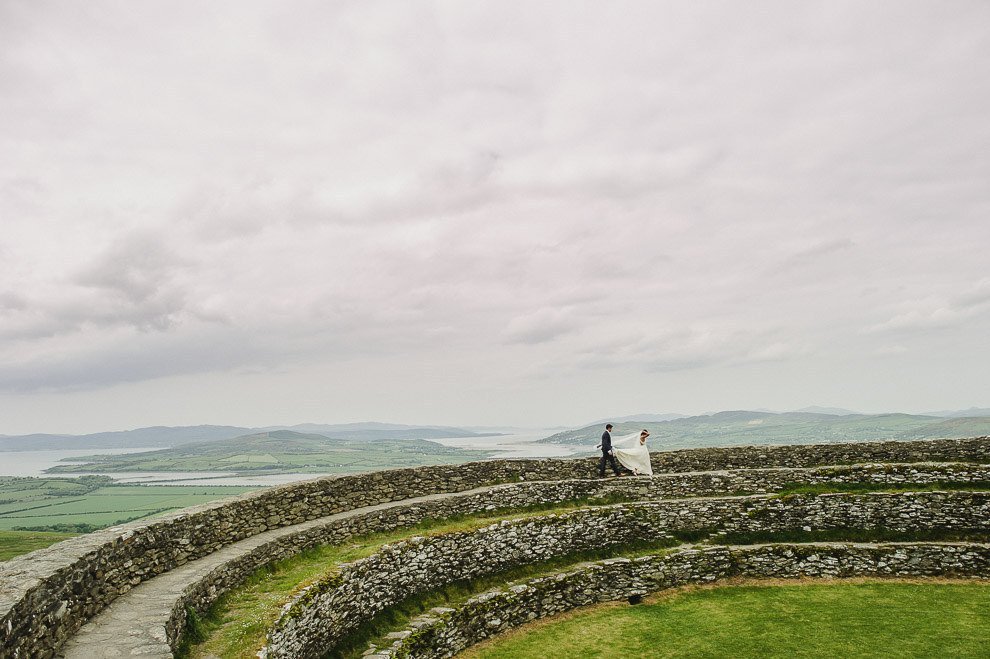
(15, 543)
(281, 451)
(735, 428)
(813, 620)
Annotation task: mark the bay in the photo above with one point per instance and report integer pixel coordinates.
(512, 444)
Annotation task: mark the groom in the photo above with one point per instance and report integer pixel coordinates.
(607, 452)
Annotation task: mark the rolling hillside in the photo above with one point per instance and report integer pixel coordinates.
(744, 427)
(169, 436)
(279, 451)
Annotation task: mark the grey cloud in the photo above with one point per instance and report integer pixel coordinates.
(130, 360)
(923, 315)
(142, 282)
(12, 301)
(136, 267)
(977, 297)
(137, 282)
(658, 350)
(666, 189)
(811, 254)
(540, 326)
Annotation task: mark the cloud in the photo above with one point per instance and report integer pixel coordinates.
(540, 326)
(137, 278)
(634, 346)
(125, 357)
(932, 313)
(809, 255)
(12, 302)
(659, 190)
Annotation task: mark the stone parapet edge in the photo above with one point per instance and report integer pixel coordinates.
(200, 595)
(326, 611)
(47, 595)
(447, 631)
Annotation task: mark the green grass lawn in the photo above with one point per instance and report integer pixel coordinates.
(66, 505)
(15, 543)
(872, 619)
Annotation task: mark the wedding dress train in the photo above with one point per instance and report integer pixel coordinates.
(633, 455)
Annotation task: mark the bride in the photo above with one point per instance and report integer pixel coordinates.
(632, 453)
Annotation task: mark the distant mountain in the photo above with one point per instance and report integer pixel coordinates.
(512, 430)
(167, 436)
(645, 418)
(748, 427)
(836, 411)
(373, 430)
(971, 412)
(277, 451)
(154, 437)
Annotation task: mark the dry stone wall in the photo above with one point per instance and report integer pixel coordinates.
(47, 595)
(312, 624)
(448, 631)
(201, 595)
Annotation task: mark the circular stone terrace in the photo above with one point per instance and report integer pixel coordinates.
(917, 508)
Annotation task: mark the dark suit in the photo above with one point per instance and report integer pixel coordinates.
(607, 455)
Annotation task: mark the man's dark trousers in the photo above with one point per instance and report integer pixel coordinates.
(607, 455)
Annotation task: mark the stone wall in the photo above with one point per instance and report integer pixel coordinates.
(810, 455)
(201, 595)
(448, 631)
(316, 620)
(47, 595)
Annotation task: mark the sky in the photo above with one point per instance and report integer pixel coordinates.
(488, 213)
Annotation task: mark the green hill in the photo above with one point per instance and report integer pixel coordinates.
(279, 451)
(745, 427)
(169, 436)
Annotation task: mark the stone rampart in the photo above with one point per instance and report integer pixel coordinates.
(316, 620)
(47, 595)
(448, 631)
(201, 595)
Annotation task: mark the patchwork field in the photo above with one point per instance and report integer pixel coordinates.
(15, 543)
(80, 505)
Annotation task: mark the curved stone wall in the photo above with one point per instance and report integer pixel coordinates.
(47, 595)
(451, 630)
(313, 623)
(201, 595)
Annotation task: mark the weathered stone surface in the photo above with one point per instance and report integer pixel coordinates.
(164, 600)
(494, 613)
(47, 595)
(323, 613)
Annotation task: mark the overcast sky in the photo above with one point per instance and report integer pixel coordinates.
(530, 213)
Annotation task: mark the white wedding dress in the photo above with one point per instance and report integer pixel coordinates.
(633, 455)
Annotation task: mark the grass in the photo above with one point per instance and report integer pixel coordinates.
(81, 505)
(871, 619)
(236, 624)
(15, 543)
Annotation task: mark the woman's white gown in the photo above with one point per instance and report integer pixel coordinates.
(633, 455)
